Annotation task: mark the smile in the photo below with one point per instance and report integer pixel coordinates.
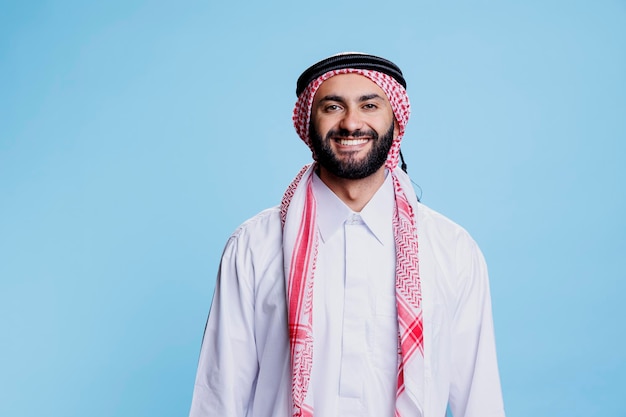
(351, 142)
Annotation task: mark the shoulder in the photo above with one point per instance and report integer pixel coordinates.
(267, 221)
(260, 235)
(431, 222)
(253, 255)
(446, 241)
(450, 256)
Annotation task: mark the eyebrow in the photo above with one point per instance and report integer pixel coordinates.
(340, 99)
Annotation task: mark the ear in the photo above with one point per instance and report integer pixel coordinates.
(396, 129)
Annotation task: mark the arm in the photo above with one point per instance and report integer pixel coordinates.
(475, 382)
(228, 364)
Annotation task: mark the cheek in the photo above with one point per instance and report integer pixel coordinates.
(322, 126)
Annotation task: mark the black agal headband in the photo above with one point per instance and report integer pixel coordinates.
(349, 60)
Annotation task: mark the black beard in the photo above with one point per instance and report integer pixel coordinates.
(352, 169)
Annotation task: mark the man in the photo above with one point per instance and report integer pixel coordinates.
(351, 298)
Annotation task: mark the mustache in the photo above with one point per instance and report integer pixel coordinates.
(345, 133)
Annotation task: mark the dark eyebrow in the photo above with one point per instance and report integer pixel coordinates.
(340, 99)
(331, 97)
(370, 97)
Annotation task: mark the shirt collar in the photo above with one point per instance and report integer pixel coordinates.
(377, 214)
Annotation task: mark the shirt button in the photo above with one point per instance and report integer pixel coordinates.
(354, 218)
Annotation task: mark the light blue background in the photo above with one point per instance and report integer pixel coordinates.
(135, 136)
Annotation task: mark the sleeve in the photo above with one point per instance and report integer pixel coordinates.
(228, 365)
(475, 382)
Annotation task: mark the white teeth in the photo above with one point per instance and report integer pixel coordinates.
(351, 142)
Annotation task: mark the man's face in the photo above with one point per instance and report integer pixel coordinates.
(352, 126)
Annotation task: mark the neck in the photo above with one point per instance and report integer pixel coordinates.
(354, 193)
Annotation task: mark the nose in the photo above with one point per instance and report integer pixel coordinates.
(351, 120)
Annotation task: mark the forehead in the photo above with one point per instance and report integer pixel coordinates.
(348, 86)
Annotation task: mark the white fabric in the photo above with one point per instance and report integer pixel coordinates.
(244, 365)
(355, 325)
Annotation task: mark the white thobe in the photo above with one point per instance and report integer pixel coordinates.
(244, 365)
(355, 325)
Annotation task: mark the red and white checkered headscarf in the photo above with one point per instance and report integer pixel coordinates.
(298, 215)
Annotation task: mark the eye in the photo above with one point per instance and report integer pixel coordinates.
(332, 107)
(370, 106)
